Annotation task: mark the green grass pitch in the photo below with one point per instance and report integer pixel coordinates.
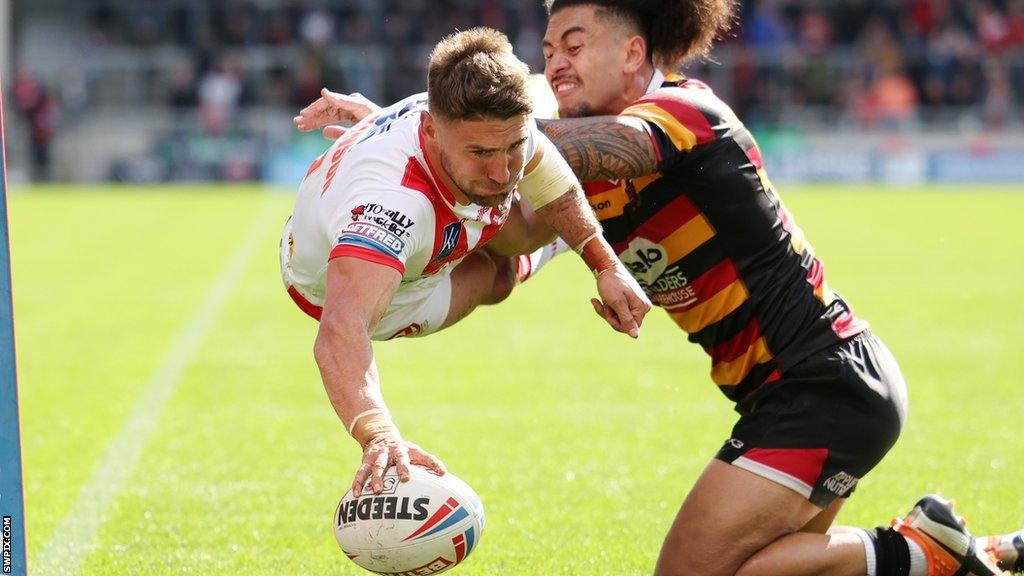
(581, 443)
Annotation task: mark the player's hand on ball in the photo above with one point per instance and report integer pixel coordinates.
(332, 108)
(385, 450)
(623, 303)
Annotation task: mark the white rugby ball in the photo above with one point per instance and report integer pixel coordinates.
(416, 528)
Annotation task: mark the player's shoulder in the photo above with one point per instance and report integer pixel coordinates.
(401, 113)
(390, 176)
(686, 108)
(683, 98)
(383, 157)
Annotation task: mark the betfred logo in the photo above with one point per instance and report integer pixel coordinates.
(382, 508)
(372, 236)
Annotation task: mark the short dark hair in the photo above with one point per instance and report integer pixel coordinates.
(675, 30)
(474, 75)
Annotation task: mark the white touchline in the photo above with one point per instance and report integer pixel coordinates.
(76, 536)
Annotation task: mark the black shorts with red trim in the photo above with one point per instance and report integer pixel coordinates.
(825, 423)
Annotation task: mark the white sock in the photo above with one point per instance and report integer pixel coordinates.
(869, 552)
(530, 264)
(918, 561)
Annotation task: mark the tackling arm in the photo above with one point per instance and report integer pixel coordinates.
(554, 193)
(604, 147)
(358, 294)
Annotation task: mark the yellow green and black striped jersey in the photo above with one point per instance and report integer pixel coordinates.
(710, 242)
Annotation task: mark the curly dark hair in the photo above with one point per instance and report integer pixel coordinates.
(675, 30)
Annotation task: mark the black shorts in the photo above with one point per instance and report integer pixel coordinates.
(825, 423)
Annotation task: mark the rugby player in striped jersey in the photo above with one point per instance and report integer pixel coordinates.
(681, 191)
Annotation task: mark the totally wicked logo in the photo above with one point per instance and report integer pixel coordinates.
(391, 220)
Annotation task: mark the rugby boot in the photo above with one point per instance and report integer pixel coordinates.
(1008, 550)
(942, 535)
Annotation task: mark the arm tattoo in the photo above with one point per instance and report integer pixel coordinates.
(604, 147)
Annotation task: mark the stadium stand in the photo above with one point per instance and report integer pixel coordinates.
(203, 90)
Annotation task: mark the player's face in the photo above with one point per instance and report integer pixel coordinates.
(583, 60)
(484, 158)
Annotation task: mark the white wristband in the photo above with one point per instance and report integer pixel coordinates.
(579, 247)
(364, 414)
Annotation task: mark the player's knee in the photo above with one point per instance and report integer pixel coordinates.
(690, 562)
(755, 566)
(691, 568)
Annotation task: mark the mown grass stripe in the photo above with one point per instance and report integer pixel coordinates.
(77, 535)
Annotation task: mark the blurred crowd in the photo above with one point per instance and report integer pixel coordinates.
(871, 58)
(870, 64)
(881, 61)
(377, 47)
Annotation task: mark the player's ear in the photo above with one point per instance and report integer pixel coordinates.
(636, 53)
(429, 125)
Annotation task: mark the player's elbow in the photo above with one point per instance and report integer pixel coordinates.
(336, 333)
(323, 346)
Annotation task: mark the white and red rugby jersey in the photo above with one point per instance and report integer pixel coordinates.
(374, 195)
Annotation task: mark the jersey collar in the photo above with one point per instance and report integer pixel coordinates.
(656, 81)
(435, 178)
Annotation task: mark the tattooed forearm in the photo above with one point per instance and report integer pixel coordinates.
(603, 147)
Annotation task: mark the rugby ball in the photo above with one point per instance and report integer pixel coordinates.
(416, 528)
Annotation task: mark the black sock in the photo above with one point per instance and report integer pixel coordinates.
(892, 553)
(1018, 543)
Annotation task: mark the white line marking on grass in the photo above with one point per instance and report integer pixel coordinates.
(77, 535)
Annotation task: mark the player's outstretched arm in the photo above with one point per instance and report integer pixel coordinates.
(550, 187)
(604, 147)
(358, 293)
(333, 108)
